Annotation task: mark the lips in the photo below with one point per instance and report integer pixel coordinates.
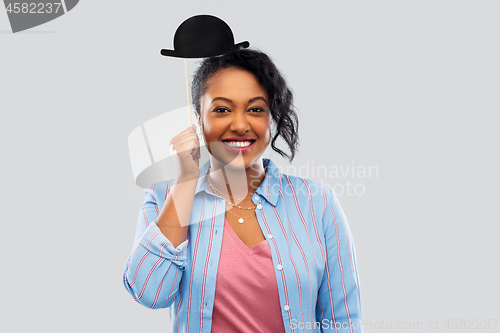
(239, 138)
(237, 150)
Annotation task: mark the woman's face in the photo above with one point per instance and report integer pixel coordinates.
(234, 111)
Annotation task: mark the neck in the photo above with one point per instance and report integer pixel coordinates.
(236, 183)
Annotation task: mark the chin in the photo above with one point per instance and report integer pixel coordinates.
(240, 162)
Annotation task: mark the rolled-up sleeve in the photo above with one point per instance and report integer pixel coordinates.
(339, 301)
(154, 268)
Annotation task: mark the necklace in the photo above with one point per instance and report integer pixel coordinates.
(228, 200)
(240, 218)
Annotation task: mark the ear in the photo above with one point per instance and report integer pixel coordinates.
(198, 119)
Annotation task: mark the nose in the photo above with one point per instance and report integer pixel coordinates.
(240, 123)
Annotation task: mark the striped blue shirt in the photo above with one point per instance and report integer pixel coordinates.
(311, 246)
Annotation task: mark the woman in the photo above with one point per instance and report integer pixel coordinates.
(270, 252)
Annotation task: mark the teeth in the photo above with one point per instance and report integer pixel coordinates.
(238, 143)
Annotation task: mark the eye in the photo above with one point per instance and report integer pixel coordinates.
(257, 110)
(221, 110)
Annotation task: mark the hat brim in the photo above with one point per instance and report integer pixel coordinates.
(178, 54)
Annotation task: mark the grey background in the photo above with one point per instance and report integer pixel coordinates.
(410, 87)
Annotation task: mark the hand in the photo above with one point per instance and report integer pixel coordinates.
(185, 147)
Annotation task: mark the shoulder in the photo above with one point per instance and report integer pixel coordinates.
(307, 192)
(306, 188)
(313, 201)
(294, 185)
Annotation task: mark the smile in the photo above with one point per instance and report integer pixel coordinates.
(238, 143)
(236, 147)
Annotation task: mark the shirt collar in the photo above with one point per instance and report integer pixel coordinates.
(269, 189)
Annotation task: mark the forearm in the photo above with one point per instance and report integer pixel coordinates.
(151, 279)
(155, 267)
(174, 217)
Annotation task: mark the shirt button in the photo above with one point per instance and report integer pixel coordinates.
(256, 198)
(279, 267)
(286, 307)
(259, 206)
(269, 236)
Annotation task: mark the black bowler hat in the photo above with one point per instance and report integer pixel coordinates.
(203, 36)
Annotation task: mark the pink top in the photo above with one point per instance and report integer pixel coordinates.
(246, 292)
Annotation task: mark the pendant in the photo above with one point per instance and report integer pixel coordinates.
(241, 220)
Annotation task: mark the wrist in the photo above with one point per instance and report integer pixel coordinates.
(186, 177)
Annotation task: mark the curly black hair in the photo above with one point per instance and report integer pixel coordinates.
(271, 80)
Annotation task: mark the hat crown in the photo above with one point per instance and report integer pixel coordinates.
(197, 30)
(203, 36)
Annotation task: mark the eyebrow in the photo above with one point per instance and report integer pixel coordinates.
(230, 101)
